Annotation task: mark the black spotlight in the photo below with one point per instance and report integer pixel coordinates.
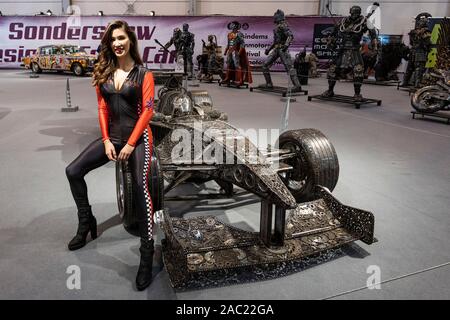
(100, 13)
(49, 12)
(152, 13)
(1, 13)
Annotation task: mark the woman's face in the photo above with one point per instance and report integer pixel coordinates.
(120, 42)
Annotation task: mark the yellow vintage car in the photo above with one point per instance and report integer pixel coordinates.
(61, 58)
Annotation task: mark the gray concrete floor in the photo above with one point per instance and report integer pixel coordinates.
(394, 166)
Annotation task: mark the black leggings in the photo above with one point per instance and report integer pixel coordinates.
(94, 156)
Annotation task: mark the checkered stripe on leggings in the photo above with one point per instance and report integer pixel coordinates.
(148, 199)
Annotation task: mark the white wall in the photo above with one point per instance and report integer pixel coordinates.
(257, 7)
(165, 7)
(29, 7)
(396, 15)
(118, 7)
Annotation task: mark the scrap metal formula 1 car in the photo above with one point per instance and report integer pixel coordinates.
(299, 217)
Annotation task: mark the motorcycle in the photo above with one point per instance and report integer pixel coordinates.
(433, 98)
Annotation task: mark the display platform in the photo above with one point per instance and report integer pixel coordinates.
(407, 89)
(232, 84)
(211, 80)
(280, 90)
(382, 83)
(377, 83)
(438, 115)
(346, 99)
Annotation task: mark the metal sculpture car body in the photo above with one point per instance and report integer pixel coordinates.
(299, 216)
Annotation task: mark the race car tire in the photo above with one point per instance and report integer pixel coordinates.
(315, 163)
(125, 193)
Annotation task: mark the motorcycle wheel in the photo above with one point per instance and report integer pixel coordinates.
(423, 101)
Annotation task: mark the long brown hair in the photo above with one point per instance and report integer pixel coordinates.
(107, 60)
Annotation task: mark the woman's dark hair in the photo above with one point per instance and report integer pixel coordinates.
(107, 60)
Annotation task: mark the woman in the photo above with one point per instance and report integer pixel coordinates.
(125, 91)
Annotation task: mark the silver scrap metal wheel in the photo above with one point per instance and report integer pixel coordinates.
(126, 194)
(429, 99)
(315, 162)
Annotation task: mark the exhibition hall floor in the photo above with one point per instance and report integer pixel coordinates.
(394, 166)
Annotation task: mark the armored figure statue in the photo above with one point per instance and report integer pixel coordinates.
(350, 31)
(176, 41)
(282, 38)
(210, 49)
(312, 59)
(187, 48)
(420, 42)
(234, 49)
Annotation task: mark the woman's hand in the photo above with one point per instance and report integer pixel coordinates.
(125, 152)
(110, 150)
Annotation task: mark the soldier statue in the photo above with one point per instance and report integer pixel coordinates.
(349, 31)
(420, 42)
(187, 49)
(282, 39)
(175, 40)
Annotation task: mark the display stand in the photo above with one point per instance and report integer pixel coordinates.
(346, 99)
(280, 90)
(210, 80)
(194, 83)
(378, 83)
(233, 84)
(68, 107)
(382, 83)
(285, 115)
(440, 115)
(288, 91)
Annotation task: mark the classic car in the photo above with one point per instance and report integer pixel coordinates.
(60, 58)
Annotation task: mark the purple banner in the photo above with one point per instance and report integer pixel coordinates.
(21, 35)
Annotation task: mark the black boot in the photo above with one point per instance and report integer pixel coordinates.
(86, 223)
(330, 92)
(408, 74)
(294, 78)
(357, 97)
(226, 80)
(144, 274)
(268, 78)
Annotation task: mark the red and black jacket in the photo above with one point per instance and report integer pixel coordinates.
(124, 114)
